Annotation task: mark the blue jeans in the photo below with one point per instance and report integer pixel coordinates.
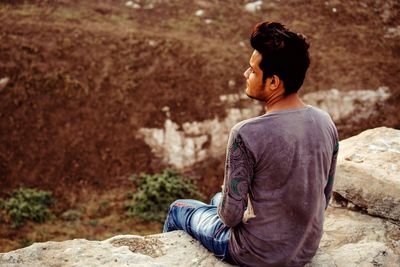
(202, 222)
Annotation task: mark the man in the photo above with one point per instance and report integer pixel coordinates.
(279, 166)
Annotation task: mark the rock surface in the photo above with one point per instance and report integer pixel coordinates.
(192, 142)
(368, 173)
(181, 146)
(253, 6)
(352, 105)
(350, 239)
(355, 239)
(367, 178)
(171, 249)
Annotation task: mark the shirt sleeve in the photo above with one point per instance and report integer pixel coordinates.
(238, 174)
(331, 175)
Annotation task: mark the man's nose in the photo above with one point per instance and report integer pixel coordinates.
(246, 73)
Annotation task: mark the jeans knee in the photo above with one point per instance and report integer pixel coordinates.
(182, 203)
(174, 204)
(169, 220)
(172, 221)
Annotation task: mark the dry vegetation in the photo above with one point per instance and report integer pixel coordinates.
(85, 75)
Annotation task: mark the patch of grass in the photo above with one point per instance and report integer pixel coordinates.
(27, 204)
(183, 26)
(156, 192)
(104, 203)
(68, 13)
(71, 215)
(25, 10)
(93, 223)
(118, 18)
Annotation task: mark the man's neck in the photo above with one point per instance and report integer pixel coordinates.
(282, 102)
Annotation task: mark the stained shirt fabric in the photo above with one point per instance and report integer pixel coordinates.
(278, 180)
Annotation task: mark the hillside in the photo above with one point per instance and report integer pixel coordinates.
(85, 76)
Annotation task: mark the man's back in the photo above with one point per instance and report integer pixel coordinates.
(291, 154)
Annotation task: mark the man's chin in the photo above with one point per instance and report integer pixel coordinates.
(253, 97)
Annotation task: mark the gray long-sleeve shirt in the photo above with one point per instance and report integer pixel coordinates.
(279, 171)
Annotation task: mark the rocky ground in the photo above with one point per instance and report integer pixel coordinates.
(82, 83)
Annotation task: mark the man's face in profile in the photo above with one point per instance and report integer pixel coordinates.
(254, 83)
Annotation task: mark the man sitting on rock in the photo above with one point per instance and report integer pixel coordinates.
(279, 166)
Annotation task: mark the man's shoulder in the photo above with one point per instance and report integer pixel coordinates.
(248, 124)
(276, 123)
(326, 119)
(321, 112)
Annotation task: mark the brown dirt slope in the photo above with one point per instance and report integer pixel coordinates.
(85, 75)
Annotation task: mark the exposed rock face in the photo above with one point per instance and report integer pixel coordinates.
(183, 145)
(368, 173)
(340, 105)
(195, 141)
(367, 176)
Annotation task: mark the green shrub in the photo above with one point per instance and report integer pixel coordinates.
(28, 204)
(156, 192)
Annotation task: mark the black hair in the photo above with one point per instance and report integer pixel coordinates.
(284, 53)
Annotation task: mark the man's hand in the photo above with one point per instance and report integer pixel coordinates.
(249, 212)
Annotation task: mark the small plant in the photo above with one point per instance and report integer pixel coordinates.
(156, 192)
(104, 204)
(71, 215)
(25, 242)
(27, 204)
(93, 223)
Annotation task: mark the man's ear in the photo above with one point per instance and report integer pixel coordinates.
(274, 82)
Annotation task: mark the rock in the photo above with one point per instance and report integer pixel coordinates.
(368, 172)
(132, 4)
(4, 82)
(392, 32)
(171, 249)
(354, 105)
(149, 6)
(355, 239)
(152, 43)
(253, 6)
(232, 98)
(387, 10)
(350, 239)
(231, 83)
(192, 142)
(199, 13)
(167, 111)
